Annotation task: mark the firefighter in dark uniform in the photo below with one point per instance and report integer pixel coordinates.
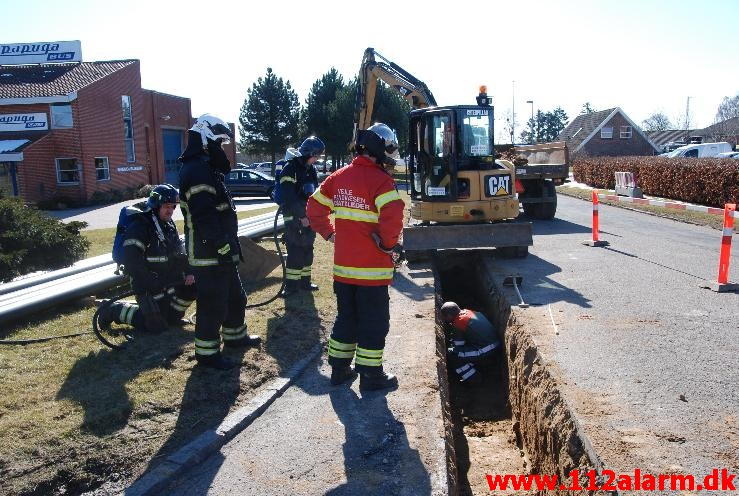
(473, 340)
(212, 243)
(298, 181)
(155, 260)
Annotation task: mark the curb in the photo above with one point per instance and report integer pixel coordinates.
(212, 440)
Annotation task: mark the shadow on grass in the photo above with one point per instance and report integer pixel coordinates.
(98, 381)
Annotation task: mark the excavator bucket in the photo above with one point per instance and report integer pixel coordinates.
(259, 262)
(439, 237)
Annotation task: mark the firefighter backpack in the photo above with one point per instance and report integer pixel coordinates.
(126, 216)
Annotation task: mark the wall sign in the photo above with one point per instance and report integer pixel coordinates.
(130, 168)
(24, 122)
(41, 52)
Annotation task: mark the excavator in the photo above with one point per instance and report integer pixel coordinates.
(461, 196)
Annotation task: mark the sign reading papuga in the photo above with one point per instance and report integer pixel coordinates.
(23, 122)
(41, 52)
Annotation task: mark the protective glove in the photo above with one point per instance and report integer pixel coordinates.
(153, 318)
(396, 252)
(224, 253)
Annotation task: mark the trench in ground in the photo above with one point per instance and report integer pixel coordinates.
(516, 421)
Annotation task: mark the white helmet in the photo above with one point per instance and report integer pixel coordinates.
(291, 153)
(212, 128)
(390, 139)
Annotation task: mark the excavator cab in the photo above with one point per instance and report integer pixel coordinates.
(453, 173)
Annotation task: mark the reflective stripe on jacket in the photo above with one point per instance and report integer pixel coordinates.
(209, 212)
(364, 200)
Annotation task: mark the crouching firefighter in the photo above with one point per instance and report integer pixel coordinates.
(154, 259)
(298, 181)
(368, 221)
(212, 243)
(473, 341)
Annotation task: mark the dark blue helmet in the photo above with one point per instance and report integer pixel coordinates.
(312, 147)
(164, 193)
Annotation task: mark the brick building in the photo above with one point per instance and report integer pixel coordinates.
(68, 130)
(606, 133)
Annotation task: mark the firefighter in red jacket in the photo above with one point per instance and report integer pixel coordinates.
(368, 221)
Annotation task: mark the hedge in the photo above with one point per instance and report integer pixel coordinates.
(708, 181)
(31, 240)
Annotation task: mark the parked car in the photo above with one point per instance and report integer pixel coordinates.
(240, 165)
(729, 155)
(265, 167)
(249, 183)
(702, 150)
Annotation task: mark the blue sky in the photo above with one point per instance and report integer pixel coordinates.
(642, 56)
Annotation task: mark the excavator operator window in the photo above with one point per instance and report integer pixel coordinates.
(437, 178)
(477, 134)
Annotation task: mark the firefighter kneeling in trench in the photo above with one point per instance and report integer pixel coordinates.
(473, 341)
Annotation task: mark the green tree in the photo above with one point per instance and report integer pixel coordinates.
(269, 117)
(545, 127)
(341, 115)
(392, 109)
(317, 114)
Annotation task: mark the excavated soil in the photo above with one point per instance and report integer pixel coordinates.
(517, 421)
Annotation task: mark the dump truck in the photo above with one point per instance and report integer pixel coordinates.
(539, 168)
(461, 195)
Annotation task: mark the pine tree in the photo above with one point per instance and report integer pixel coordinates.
(269, 117)
(317, 115)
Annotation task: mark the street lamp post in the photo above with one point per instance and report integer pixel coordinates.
(533, 123)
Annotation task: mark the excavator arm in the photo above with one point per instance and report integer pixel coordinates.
(376, 67)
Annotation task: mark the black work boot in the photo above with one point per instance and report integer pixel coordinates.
(246, 341)
(341, 374)
(216, 361)
(105, 317)
(306, 285)
(374, 378)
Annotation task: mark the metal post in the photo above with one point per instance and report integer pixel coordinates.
(535, 138)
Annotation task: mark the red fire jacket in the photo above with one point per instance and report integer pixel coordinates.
(364, 200)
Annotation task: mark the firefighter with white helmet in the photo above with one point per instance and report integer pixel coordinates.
(212, 243)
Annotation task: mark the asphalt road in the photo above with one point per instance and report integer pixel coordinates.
(104, 216)
(320, 439)
(653, 355)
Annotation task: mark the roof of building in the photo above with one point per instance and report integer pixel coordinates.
(585, 126)
(46, 80)
(660, 138)
(729, 126)
(582, 127)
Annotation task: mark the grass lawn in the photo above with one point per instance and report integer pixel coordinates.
(699, 218)
(74, 414)
(101, 240)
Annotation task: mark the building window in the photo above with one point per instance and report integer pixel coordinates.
(606, 132)
(128, 128)
(625, 132)
(102, 168)
(61, 116)
(67, 171)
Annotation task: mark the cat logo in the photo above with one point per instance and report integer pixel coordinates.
(499, 185)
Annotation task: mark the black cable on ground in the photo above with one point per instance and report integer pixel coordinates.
(41, 340)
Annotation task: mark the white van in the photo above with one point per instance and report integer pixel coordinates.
(700, 150)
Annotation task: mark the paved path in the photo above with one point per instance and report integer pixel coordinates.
(649, 358)
(104, 216)
(318, 439)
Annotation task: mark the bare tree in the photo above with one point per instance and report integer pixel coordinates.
(728, 108)
(658, 121)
